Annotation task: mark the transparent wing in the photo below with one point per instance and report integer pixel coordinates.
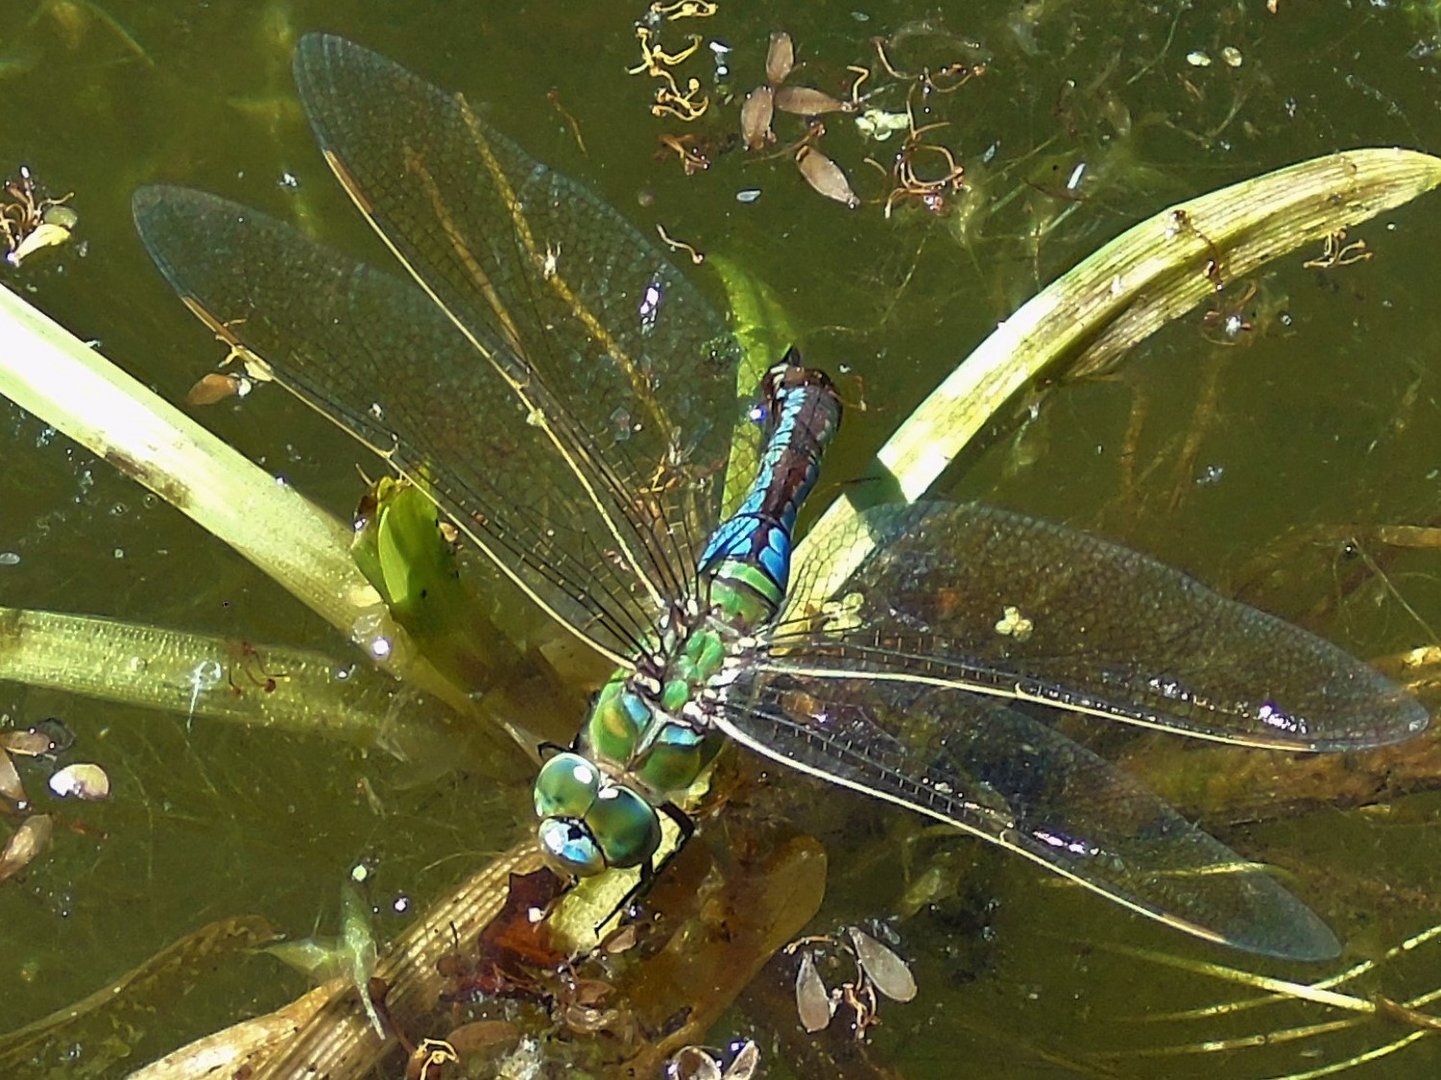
(619, 362)
(993, 771)
(597, 507)
(1005, 605)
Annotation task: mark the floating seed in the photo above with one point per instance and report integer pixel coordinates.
(10, 786)
(825, 176)
(887, 971)
(808, 101)
(24, 844)
(780, 58)
(813, 1001)
(756, 116)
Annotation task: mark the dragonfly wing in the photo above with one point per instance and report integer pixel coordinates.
(619, 362)
(373, 353)
(998, 603)
(992, 771)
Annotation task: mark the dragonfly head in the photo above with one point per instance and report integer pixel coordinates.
(589, 823)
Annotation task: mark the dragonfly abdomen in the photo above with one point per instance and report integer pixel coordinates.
(748, 557)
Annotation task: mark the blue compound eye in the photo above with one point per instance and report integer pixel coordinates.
(566, 844)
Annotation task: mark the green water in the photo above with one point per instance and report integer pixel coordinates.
(1326, 416)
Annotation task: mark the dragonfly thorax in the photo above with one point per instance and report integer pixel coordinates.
(643, 743)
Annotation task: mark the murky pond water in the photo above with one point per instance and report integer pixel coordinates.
(1256, 443)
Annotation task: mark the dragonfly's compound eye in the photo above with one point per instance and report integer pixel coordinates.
(568, 847)
(625, 826)
(566, 787)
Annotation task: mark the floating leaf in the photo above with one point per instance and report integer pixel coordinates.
(1090, 316)
(132, 1003)
(49, 372)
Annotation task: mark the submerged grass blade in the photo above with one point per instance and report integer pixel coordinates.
(201, 675)
(49, 372)
(1160, 269)
(43, 1048)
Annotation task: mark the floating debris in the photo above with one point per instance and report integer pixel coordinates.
(909, 186)
(429, 1059)
(756, 116)
(1231, 57)
(83, 780)
(1335, 252)
(780, 58)
(553, 96)
(720, 52)
(808, 101)
(814, 1004)
(826, 176)
(1198, 59)
(887, 971)
(216, 387)
(691, 149)
(703, 1063)
(671, 242)
(26, 842)
(32, 742)
(878, 970)
(879, 125)
(1013, 624)
(684, 9)
(31, 221)
(689, 104)
(11, 788)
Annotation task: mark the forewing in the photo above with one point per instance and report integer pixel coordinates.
(373, 353)
(618, 360)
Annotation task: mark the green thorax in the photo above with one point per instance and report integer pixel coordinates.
(638, 726)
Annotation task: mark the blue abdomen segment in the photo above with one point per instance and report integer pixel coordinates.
(751, 550)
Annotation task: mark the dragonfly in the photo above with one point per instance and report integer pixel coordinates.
(570, 402)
